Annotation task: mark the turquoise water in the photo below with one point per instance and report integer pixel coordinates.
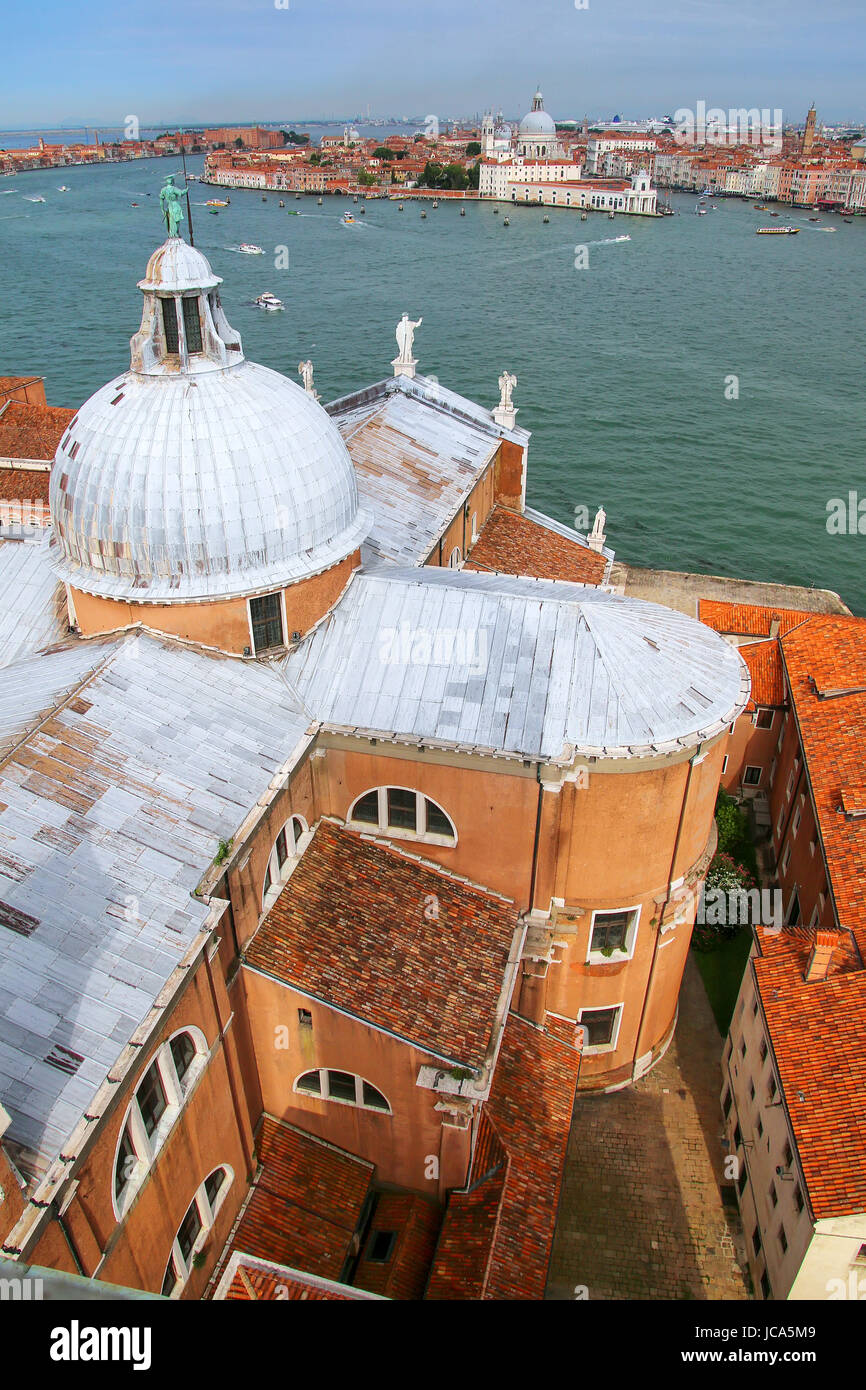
(622, 366)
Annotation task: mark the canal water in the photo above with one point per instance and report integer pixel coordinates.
(706, 385)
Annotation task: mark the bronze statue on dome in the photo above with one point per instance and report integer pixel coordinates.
(169, 201)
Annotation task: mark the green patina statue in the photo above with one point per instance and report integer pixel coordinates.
(169, 199)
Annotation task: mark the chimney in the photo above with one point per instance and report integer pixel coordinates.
(775, 625)
(822, 954)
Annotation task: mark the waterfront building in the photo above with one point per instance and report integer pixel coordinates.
(341, 837)
(792, 1098)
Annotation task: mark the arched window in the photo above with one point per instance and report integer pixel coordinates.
(474, 527)
(454, 558)
(343, 1086)
(404, 813)
(192, 1232)
(283, 858)
(153, 1111)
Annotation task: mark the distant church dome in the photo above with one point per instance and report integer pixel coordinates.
(197, 474)
(537, 121)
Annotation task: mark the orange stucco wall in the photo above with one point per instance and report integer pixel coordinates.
(223, 624)
(510, 471)
(400, 1144)
(459, 533)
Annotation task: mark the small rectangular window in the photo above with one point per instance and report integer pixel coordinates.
(774, 1196)
(752, 777)
(763, 1049)
(267, 622)
(788, 1154)
(169, 325)
(610, 931)
(305, 1018)
(764, 719)
(381, 1246)
(192, 324)
(599, 1024)
(799, 1201)
(783, 1240)
(756, 1240)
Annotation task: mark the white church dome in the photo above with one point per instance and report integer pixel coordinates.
(537, 121)
(198, 474)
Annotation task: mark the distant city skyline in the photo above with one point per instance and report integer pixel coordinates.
(237, 60)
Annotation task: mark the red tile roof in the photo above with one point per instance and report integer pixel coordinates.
(433, 980)
(816, 1029)
(250, 1280)
(32, 431)
(497, 1236)
(415, 1220)
(15, 387)
(24, 484)
(307, 1202)
(513, 544)
(747, 619)
(764, 661)
(829, 654)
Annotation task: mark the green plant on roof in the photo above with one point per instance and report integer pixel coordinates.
(223, 851)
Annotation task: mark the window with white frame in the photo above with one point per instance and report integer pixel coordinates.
(324, 1083)
(790, 787)
(404, 813)
(474, 527)
(158, 1100)
(282, 858)
(455, 558)
(752, 777)
(786, 858)
(798, 816)
(763, 718)
(602, 1027)
(193, 1230)
(612, 934)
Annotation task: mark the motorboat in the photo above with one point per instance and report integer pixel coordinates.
(319, 201)
(776, 231)
(282, 204)
(423, 214)
(348, 220)
(248, 248)
(30, 199)
(269, 301)
(435, 205)
(61, 188)
(217, 203)
(506, 222)
(462, 212)
(545, 218)
(583, 217)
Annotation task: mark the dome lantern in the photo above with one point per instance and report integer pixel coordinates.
(183, 326)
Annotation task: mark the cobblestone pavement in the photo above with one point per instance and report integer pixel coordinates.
(641, 1212)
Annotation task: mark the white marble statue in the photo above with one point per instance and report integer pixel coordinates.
(305, 371)
(598, 524)
(406, 338)
(507, 383)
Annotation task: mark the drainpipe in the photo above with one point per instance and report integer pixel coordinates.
(534, 870)
(664, 909)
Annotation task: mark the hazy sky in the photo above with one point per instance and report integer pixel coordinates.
(194, 60)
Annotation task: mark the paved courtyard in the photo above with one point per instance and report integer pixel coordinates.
(641, 1213)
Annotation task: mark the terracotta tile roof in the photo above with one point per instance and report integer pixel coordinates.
(433, 980)
(512, 544)
(13, 386)
(829, 654)
(816, 1030)
(497, 1236)
(415, 1220)
(24, 484)
(307, 1202)
(250, 1280)
(764, 661)
(32, 431)
(748, 619)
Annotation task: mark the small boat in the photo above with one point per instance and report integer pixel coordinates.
(762, 207)
(611, 216)
(496, 212)
(282, 204)
(319, 201)
(435, 205)
(269, 301)
(355, 198)
(217, 203)
(214, 212)
(400, 208)
(133, 205)
(293, 212)
(701, 212)
(776, 231)
(849, 220)
(505, 222)
(545, 218)
(583, 217)
(814, 219)
(362, 211)
(463, 212)
(347, 220)
(249, 249)
(33, 200)
(774, 214)
(423, 214)
(61, 188)
(297, 195)
(264, 199)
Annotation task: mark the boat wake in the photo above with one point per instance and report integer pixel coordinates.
(608, 241)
